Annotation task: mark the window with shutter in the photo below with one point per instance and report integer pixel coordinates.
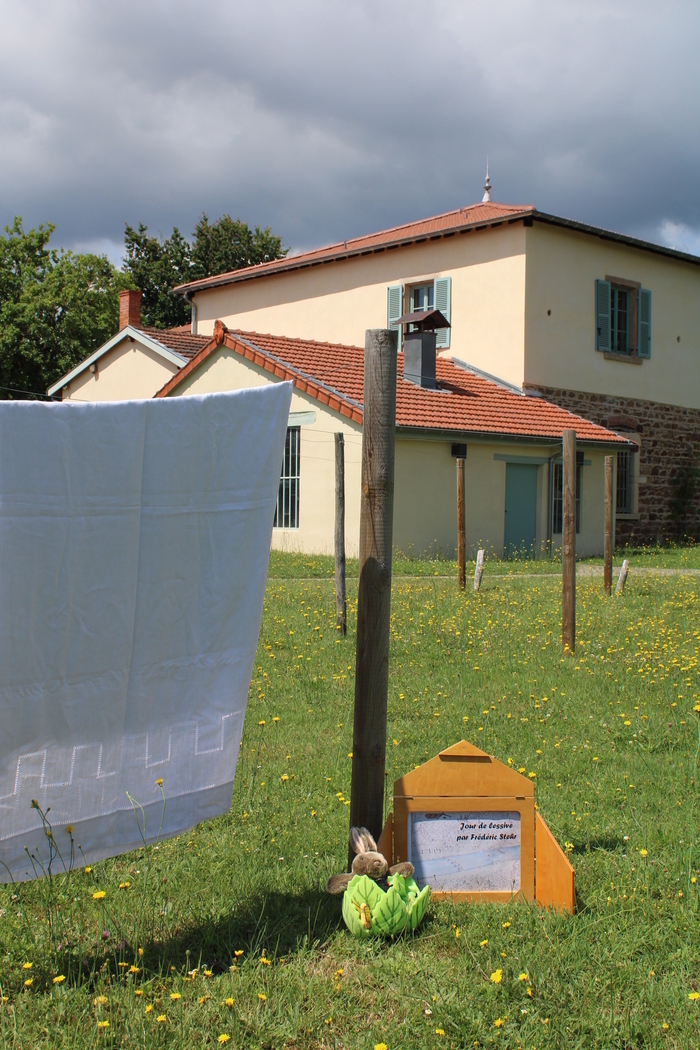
(602, 310)
(443, 302)
(644, 349)
(394, 308)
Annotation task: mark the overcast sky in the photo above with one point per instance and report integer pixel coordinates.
(325, 119)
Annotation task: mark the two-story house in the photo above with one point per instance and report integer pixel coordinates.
(605, 325)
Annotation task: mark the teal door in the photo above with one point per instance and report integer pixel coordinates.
(521, 509)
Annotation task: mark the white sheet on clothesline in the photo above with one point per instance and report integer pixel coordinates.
(134, 544)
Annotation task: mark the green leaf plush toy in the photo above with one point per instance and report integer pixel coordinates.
(370, 908)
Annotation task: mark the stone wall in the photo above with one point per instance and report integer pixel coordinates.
(670, 449)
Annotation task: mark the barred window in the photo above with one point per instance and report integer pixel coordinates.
(287, 510)
(558, 496)
(623, 502)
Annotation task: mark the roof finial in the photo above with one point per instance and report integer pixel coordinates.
(487, 186)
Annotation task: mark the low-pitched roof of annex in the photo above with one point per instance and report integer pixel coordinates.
(449, 224)
(464, 402)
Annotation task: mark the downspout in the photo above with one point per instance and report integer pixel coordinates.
(189, 298)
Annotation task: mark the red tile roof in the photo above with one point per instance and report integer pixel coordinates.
(179, 339)
(438, 226)
(464, 403)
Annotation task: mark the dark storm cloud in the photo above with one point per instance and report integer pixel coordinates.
(326, 120)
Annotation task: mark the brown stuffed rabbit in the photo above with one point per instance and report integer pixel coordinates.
(367, 862)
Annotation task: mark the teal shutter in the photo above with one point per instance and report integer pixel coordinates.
(644, 349)
(394, 308)
(602, 315)
(442, 297)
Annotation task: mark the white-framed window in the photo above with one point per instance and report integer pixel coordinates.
(424, 296)
(287, 509)
(558, 495)
(622, 317)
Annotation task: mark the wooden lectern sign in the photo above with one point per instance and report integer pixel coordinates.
(467, 824)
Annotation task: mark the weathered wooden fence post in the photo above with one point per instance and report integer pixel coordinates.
(461, 538)
(622, 577)
(341, 609)
(568, 551)
(478, 568)
(608, 545)
(374, 591)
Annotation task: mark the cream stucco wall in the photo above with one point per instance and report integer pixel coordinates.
(337, 302)
(130, 370)
(227, 370)
(562, 267)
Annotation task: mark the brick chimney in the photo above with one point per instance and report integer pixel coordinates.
(129, 309)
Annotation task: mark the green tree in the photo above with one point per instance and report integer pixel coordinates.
(229, 244)
(55, 309)
(156, 267)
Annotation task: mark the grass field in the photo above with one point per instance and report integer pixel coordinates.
(612, 738)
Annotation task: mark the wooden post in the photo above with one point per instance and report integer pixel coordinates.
(568, 553)
(341, 609)
(374, 591)
(461, 540)
(478, 569)
(608, 546)
(622, 577)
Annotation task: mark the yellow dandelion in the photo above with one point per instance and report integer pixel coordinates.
(223, 1038)
(643, 853)
(159, 782)
(133, 969)
(264, 961)
(228, 1002)
(160, 1018)
(377, 1046)
(27, 966)
(207, 973)
(149, 1008)
(140, 953)
(439, 1031)
(505, 925)
(496, 976)
(532, 775)
(99, 1000)
(693, 996)
(98, 895)
(498, 1022)
(87, 870)
(59, 980)
(482, 944)
(275, 718)
(124, 885)
(238, 952)
(522, 976)
(261, 722)
(349, 754)
(262, 997)
(457, 932)
(203, 999)
(284, 776)
(521, 769)
(138, 991)
(175, 996)
(29, 982)
(664, 1025)
(103, 1024)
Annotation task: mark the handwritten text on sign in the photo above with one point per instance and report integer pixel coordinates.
(471, 852)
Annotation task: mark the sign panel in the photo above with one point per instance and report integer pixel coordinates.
(472, 852)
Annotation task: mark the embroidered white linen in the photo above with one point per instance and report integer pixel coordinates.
(134, 544)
